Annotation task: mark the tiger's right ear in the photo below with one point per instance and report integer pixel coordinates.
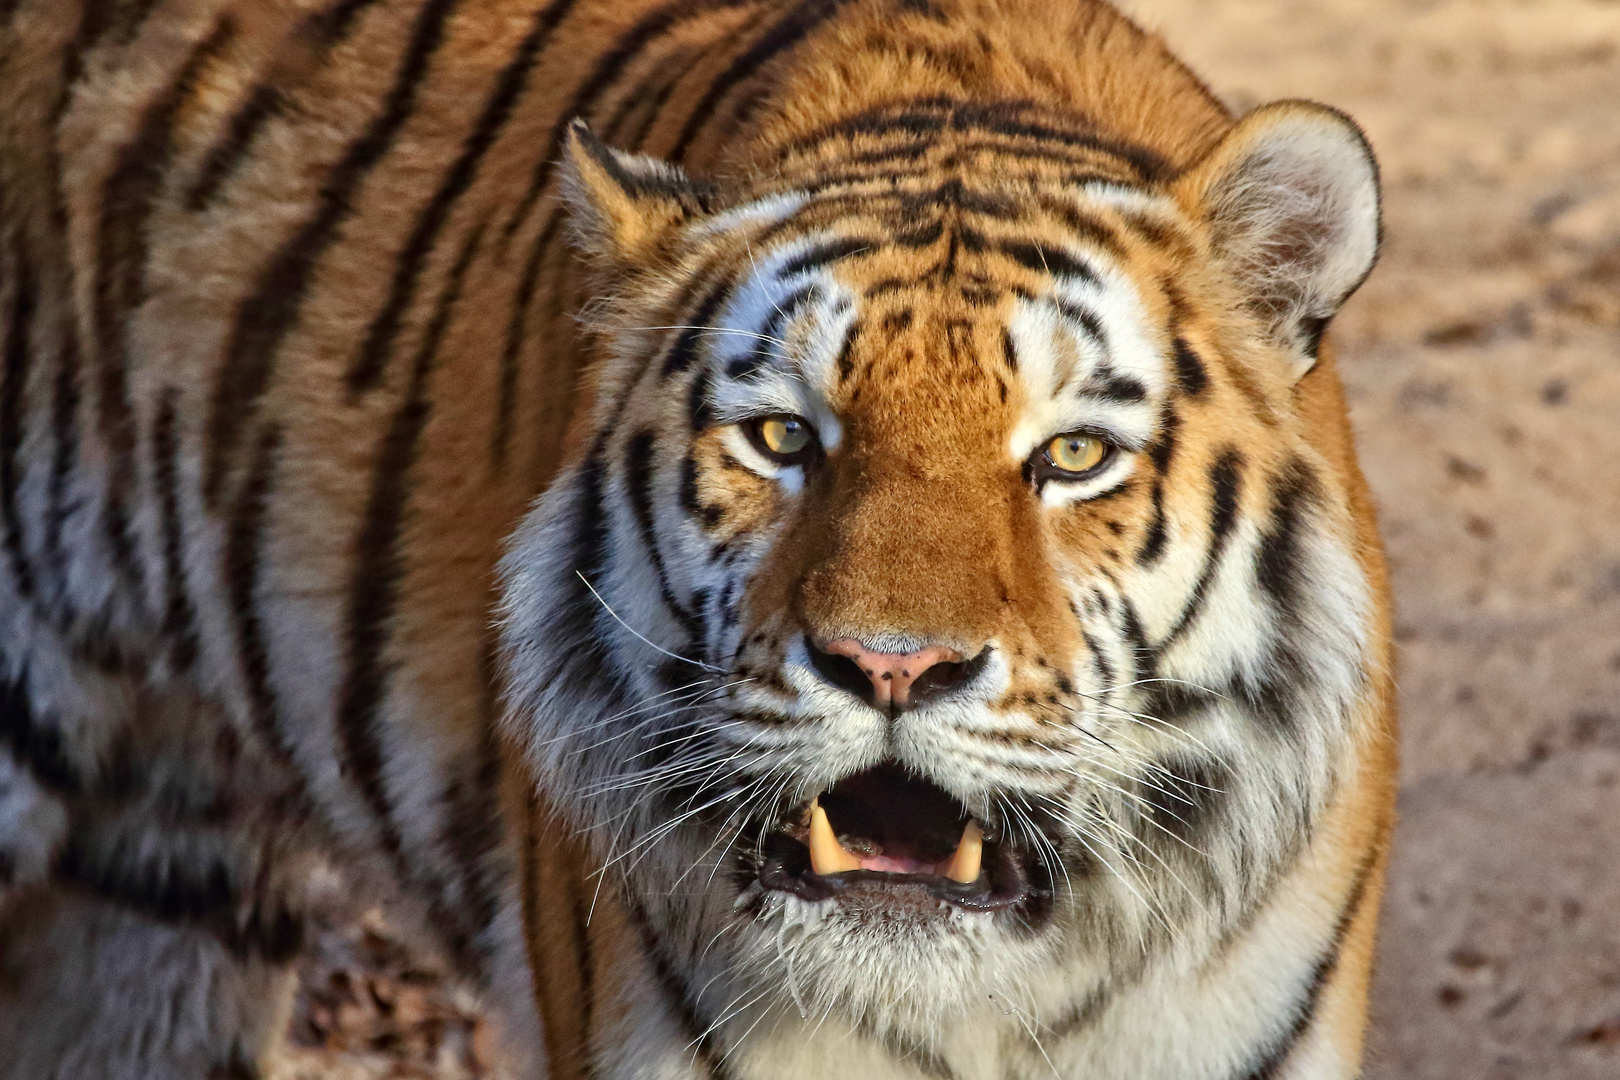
(626, 208)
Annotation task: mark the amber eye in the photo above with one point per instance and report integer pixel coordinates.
(1076, 452)
(783, 438)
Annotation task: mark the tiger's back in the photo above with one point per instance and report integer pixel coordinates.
(292, 339)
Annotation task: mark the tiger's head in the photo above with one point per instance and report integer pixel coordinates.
(955, 583)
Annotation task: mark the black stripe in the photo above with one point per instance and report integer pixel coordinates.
(35, 745)
(1080, 1015)
(1176, 703)
(511, 354)
(649, 29)
(373, 357)
(1083, 227)
(825, 254)
(179, 619)
(1007, 118)
(1144, 659)
(1190, 373)
(585, 965)
(18, 361)
(650, 95)
(1008, 351)
(1161, 454)
(920, 236)
(1048, 260)
(1090, 323)
(127, 201)
(473, 832)
(1310, 334)
(1278, 566)
(65, 398)
(1182, 795)
(699, 414)
(691, 502)
(1110, 385)
(309, 45)
(1270, 1063)
(244, 550)
(193, 879)
(700, 1039)
(271, 308)
(912, 1051)
(125, 21)
(1099, 660)
(379, 567)
(638, 463)
(684, 351)
(846, 351)
(916, 120)
(761, 355)
(1226, 490)
(801, 20)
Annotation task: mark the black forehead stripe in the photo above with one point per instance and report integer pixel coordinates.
(923, 117)
(823, 254)
(698, 411)
(955, 195)
(1010, 119)
(846, 351)
(1111, 385)
(1086, 318)
(685, 349)
(1082, 226)
(770, 332)
(1190, 373)
(1047, 260)
(920, 236)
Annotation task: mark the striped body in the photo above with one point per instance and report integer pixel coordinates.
(293, 334)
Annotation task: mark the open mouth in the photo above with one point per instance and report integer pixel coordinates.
(885, 829)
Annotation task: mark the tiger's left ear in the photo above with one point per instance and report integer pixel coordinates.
(625, 208)
(1290, 197)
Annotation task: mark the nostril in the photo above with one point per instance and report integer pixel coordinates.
(842, 672)
(946, 676)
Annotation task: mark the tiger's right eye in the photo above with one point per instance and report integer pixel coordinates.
(784, 438)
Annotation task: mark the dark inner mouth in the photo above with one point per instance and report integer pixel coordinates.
(893, 832)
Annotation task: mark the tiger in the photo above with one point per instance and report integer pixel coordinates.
(782, 538)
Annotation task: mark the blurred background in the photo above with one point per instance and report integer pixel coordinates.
(1483, 366)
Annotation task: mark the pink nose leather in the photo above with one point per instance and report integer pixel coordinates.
(892, 674)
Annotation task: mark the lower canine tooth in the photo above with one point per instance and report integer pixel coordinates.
(964, 865)
(827, 855)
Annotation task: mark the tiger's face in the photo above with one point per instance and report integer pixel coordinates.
(950, 601)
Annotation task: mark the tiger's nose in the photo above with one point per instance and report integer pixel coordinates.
(893, 681)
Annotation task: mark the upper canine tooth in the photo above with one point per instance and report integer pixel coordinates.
(964, 865)
(827, 855)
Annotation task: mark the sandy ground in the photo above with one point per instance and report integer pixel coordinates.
(1483, 365)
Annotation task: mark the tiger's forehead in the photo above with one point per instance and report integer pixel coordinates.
(934, 317)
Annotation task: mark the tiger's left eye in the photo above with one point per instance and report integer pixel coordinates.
(1076, 452)
(786, 439)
